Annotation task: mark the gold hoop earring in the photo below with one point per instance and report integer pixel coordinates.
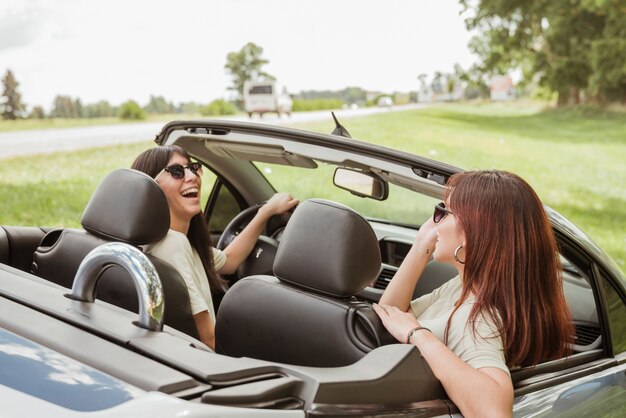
(456, 254)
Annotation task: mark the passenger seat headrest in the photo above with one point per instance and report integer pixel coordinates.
(127, 206)
(328, 248)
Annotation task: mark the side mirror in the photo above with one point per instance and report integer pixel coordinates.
(361, 183)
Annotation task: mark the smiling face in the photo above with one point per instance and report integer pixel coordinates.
(183, 196)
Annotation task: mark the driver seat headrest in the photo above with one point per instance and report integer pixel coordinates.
(307, 314)
(328, 248)
(128, 206)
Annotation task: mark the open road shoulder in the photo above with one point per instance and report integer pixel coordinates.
(44, 141)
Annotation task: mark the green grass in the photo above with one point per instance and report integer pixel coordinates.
(31, 124)
(574, 158)
(52, 190)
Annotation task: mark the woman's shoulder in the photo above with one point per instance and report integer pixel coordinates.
(173, 241)
(451, 288)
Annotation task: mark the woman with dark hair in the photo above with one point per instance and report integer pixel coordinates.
(187, 245)
(506, 307)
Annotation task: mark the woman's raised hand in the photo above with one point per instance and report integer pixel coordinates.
(278, 204)
(426, 238)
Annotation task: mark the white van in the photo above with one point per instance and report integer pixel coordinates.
(266, 96)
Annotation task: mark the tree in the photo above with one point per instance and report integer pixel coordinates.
(608, 55)
(218, 107)
(246, 64)
(131, 110)
(608, 58)
(37, 113)
(158, 105)
(437, 84)
(63, 107)
(552, 41)
(187, 107)
(476, 85)
(422, 78)
(66, 107)
(353, 95)
(11, 106)
(101, 109)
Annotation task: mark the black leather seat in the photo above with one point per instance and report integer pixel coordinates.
(18, 243)
(307, 314)
(128, 206)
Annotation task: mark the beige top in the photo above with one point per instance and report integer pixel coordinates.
(176, 249)
(482, 349)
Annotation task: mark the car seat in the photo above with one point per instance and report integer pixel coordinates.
(307, 314)
(128, 206)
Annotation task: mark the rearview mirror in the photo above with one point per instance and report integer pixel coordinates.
(361, 183)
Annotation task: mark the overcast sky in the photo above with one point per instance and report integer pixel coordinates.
(129, 49)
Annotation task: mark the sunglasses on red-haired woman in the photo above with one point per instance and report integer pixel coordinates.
(440, 212)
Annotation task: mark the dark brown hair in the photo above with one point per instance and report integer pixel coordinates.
(151, 162)
(512, 264)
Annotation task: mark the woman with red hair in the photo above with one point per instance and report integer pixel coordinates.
(506, 307)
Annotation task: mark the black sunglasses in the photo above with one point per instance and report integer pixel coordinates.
(177, 171)
(440, 212)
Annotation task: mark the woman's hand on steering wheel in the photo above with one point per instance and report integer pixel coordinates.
(278, 204)
(260, 259)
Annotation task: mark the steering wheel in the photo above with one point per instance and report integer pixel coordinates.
(261, 258)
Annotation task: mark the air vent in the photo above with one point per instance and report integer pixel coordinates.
(586, 335)
(385, 276)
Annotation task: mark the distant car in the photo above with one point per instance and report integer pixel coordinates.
(266, 97)
(296, 334)
(385, 101)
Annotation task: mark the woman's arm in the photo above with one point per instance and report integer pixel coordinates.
(486, 392)
(399, 291)
(240, 248)
(206, 328)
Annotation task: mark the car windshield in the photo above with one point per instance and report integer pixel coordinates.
(264, 89)
(403, 206)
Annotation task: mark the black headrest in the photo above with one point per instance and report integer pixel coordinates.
(128, 206)
(329, 248)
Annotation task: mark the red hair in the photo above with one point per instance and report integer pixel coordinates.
(512, 264)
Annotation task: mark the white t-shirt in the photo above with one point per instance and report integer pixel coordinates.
(480, 349)
(176, 249)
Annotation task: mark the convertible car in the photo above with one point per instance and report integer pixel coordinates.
(90, 324)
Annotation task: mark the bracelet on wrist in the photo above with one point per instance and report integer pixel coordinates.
(414, 330)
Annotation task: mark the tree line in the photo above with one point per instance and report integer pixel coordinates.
(65, 106)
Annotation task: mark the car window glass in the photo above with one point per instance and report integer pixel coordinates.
(402, 206)
(616, 313)
(225, 209)
(209, 180)
(581, 302)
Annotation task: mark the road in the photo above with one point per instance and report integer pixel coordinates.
(69, 139)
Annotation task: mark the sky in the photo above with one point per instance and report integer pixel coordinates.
(118, 50)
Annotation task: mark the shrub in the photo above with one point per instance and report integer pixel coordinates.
(316, 104)
(218, 107)
(37, 113)
(131, 110)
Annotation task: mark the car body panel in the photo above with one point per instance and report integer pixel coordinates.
(598, 394)
(150, 405)
(62, 380)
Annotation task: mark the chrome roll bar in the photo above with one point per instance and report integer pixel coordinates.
(141, 271)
